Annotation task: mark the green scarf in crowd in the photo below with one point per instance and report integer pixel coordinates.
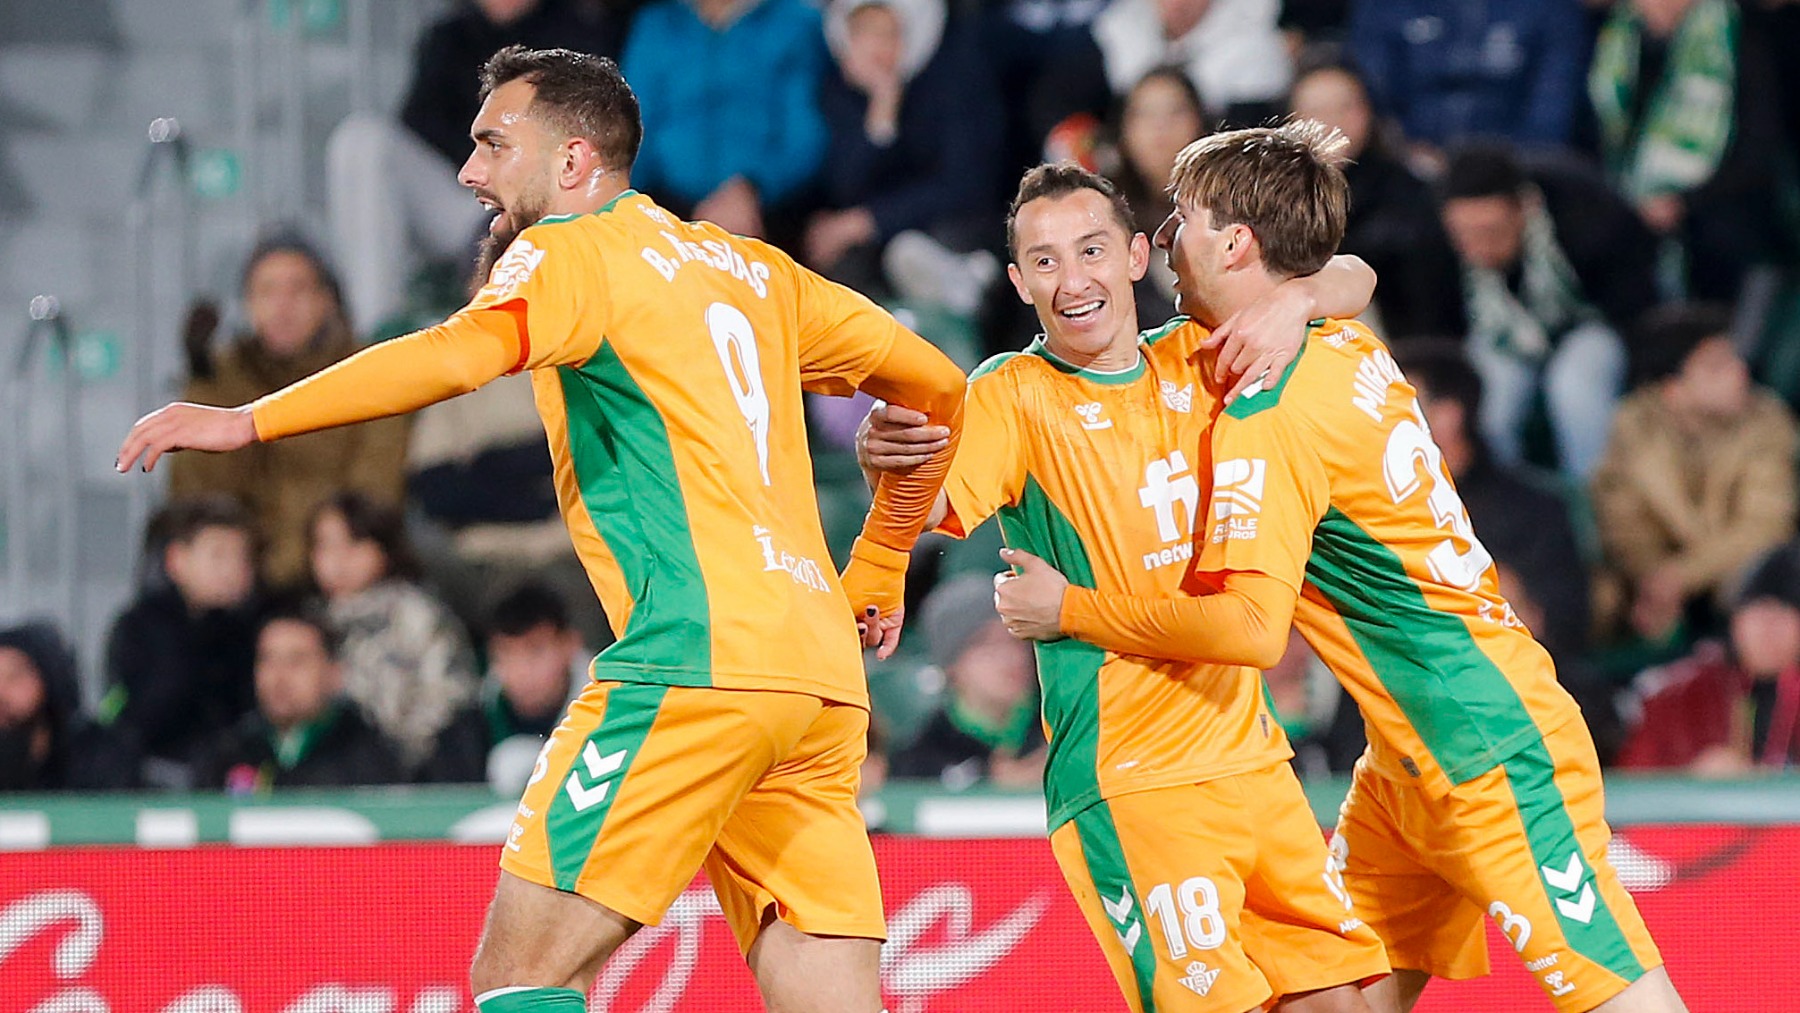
(1687, 119)
(1528, 323)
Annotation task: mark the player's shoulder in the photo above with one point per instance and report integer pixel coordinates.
(1003, 368)
(1329, 359)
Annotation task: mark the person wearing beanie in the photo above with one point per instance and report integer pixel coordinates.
(988, 727)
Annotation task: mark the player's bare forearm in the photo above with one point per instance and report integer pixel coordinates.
(1342, 288)
(395, 377)
(1244, 624)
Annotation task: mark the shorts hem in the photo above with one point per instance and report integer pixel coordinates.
(1598, 997)
(642, 913)
(1344, 974)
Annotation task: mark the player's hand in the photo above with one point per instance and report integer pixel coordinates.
(1030, 601)
(892, 438)
(183, 426)
(1257, 342)
(875, 583)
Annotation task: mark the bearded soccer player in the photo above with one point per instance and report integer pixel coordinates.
(1174, 815)
(726, 726)
(1330, 508)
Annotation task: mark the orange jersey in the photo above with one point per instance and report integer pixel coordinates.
(1330, 482)
(668, 359)
(1093, 472)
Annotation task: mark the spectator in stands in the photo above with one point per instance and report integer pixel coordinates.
(46, 743)
(297, 327)
(180, 657)
(1520, 516)
(1692, 135)
(536, 664)
(1393, 221)
(729, 91)
(406, 661)
(479, 473)
(391, 187)
(1455, 69)
(1231, 49)
(303, 733)
(1554, 267)
(1730, 708)
(1160, 115)
(1021, 40)
(1699, 477)
(914, 152)
(988, 730)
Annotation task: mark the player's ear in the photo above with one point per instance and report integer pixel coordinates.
(1140, 255)
(1239, 242)
(580, 162)
(1018, 280)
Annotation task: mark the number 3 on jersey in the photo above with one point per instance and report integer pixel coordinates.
(1408, 446)
(735, 342)
(1198, 900)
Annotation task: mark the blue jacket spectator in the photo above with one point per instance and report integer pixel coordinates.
(1450, 69)
(729, 94)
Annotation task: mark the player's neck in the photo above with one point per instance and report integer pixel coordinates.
(1116, 356)
(601, 190)
(1234, 293)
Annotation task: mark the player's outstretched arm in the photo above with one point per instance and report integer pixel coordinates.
(915, 374)
(392, 378)
(1262, 338)
(896, 439)
(1246, 623)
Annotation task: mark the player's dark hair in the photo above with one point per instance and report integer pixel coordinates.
(1286, 184)
(1059, 179)
(1667, 335)
(183, 519)
(526, 608)
(1483, 169)
(370, 521)
(1440, 369)
(306, 612)
(578, 94)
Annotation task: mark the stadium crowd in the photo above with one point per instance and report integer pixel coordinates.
(1586, 222)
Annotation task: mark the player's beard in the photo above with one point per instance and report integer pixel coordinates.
(526, 212)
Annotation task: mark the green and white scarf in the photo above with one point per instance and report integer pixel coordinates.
(1549, 301)
(1687, 121)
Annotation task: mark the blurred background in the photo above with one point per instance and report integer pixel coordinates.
(1586, 220)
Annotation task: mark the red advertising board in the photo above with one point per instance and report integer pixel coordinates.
(980, 925)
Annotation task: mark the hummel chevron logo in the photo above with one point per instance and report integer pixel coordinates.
(1580, 909)
(1120, 913)
(586, 796)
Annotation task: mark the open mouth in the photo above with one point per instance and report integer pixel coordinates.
(1082, 312)
(492, 205)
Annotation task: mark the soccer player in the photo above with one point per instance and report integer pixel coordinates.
(1330, 508)
(1174, 816)
(726, 726)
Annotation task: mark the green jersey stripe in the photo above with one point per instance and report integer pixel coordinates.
(1069, 670)
(1105, 857)
(1463, 707)
(1587, 922)
(1251, 402)
(1042, 351)
(596, 776)
(625, 467)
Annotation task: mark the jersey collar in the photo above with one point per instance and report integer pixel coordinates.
(553, 219)
(1126, 375)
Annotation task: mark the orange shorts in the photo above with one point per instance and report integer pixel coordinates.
(1215, 896)
(1523, 844)
(642, 785)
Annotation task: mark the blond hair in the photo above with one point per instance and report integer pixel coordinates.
(1285, 183)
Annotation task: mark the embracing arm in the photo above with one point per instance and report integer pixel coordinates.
(1245, 624)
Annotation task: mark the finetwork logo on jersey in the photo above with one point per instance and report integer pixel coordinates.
(1237, 497)
(514, 268)
(1168, 484)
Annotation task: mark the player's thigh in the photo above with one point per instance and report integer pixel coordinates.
(797, 846)
(1299, 924)
(1532, 847)
(1161, 884)
(633, 787)
(1381, 850)
(540, 937)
